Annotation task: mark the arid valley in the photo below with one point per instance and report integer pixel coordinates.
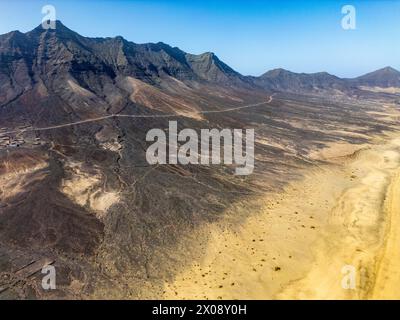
(77, 193)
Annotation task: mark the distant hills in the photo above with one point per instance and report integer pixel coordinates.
(386, 77)
(284, 80)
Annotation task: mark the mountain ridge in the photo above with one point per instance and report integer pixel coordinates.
(172, 61)
(384, 77)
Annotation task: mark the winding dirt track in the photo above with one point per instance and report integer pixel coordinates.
(115, 115)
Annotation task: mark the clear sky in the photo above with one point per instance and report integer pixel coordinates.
(250, 36)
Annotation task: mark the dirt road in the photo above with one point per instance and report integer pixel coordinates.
(116, 115)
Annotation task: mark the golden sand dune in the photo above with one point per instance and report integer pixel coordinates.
(388, 269)
(300, 243)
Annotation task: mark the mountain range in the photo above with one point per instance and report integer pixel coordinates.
(32, 58)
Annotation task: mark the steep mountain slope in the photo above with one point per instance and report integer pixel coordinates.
(386, 77)
(117, 56)
(96, 64)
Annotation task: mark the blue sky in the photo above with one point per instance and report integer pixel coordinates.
(251, 36)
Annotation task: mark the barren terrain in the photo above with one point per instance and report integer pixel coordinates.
(77, 192)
